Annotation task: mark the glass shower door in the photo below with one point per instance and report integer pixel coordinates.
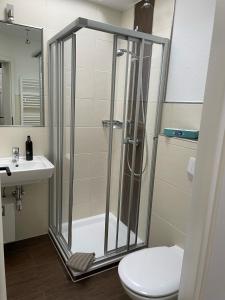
(53, 216)
(92, 107)
(67, 143)
(63, 95)
(136, 103)
(104, 137)
(126, 145)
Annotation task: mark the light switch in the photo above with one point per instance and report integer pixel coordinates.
(191, 167)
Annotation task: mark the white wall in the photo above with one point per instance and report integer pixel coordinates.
(172, 192)
(190, 48)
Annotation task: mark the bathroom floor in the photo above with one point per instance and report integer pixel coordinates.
(35, 272)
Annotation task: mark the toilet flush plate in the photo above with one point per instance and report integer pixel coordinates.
(26, 172)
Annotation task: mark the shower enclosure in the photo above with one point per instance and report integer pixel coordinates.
(107, 85)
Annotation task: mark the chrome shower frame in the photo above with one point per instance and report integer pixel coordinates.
(58, 40)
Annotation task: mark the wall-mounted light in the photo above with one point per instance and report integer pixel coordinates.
(9, 13)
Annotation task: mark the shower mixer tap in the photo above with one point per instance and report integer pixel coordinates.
(131, 141)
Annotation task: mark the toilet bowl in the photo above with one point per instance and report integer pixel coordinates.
(152, 273)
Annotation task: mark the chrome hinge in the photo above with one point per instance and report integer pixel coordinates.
(3, 210)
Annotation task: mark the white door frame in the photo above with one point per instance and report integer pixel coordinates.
(10, 61)
(2, 262)
(204, 250)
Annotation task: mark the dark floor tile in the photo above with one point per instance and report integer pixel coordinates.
(38, 241)
(21, 284)
(34, 271)
(17, 261)
(44, 255)
(31, 296)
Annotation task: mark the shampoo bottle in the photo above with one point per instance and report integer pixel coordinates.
(29, 149)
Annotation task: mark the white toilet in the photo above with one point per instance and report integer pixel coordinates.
(152, 273)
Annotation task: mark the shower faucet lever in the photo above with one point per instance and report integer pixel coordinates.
(131, 141)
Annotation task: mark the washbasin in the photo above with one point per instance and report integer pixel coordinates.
(25, 172)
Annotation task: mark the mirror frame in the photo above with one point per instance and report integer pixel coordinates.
(42, 77)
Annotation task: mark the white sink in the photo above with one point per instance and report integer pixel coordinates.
(26, 172)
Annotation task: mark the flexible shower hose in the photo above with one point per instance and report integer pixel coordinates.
(145, 139)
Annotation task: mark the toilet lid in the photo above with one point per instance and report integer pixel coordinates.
(152, 272)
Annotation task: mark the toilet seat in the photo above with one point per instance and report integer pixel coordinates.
(152, 272)
(136, 296)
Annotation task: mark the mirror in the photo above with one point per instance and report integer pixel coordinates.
(21, 75)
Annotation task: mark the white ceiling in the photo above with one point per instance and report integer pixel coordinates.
(117, 4)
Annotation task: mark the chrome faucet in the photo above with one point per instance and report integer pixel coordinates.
(15, 154)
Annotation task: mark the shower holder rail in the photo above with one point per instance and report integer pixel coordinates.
(115, 123)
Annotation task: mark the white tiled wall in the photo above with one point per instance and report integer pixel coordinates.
(181, 115)
(163, 18)
(92, 106)
(172, 192)
(54, 15)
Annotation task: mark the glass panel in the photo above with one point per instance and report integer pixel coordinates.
(116, 235)
(151, 105)
(125, 106)
(129, 205)
(131, 183)
(92, 106)
(54, 152)
(66, 132)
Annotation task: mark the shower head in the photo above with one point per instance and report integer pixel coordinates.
(147, 4)
(121, 52)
